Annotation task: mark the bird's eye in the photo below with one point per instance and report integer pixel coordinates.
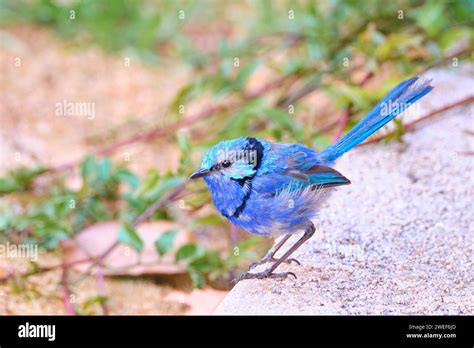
(226, 164)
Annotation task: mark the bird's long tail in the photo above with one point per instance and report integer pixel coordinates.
(401, 97)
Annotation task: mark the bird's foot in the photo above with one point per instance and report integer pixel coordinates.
(271, 259)
(265, 274)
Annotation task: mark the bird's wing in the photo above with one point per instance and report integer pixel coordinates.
(294, 166)
(319, 175)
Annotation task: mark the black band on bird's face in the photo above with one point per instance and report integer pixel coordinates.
(255, 146)
(252, 145)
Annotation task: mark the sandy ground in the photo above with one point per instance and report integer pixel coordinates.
(40, 74)
(399, 240)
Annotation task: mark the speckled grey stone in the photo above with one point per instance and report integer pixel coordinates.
(399, 240)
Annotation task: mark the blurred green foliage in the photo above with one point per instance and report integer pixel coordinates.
(19, 180)
(108, 191)
(141, 26)
(304, 45)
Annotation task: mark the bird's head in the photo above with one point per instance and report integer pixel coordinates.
(228, 169)
(236, 159)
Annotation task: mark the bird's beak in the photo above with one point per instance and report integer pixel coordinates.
(201, 172)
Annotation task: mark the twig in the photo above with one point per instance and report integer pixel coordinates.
(66, 292)
(158, 204)
(469, 132)
(341, 124)
(410, 125)
(467, 153)
(100, 289)
(234, 235)
(44, 269)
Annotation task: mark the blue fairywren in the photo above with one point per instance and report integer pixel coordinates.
(276, 189)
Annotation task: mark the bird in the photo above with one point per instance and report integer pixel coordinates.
(276, 189)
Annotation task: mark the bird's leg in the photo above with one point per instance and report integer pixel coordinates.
(269, 257)
(268, 273)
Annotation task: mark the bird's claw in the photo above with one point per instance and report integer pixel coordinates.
(271, 259)
(264, 274)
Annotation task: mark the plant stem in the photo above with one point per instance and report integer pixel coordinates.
(66, 292)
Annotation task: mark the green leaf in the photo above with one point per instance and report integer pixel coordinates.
(8, 185)
(183, 142)
(105, 166)
(148, 183)
(187, 251)
(211, 219)
(19, 179)
(183, 96)
(125, 175)
(453, 36)
(245, 72)
(293, 67)
(89, 169)
(129, 236)
(99, 299)
(197, 278)
(431, 17)
(53, 237)
(208, 262)
(320, 141)
(165, 242)
(163, 187)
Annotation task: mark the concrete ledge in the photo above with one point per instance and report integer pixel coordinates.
(399, 240)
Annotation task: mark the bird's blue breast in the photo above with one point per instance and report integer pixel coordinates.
(271, 201)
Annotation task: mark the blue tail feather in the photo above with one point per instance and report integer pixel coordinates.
(394, 103)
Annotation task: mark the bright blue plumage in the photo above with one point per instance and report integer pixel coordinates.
(274, 188)
(394, 103)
